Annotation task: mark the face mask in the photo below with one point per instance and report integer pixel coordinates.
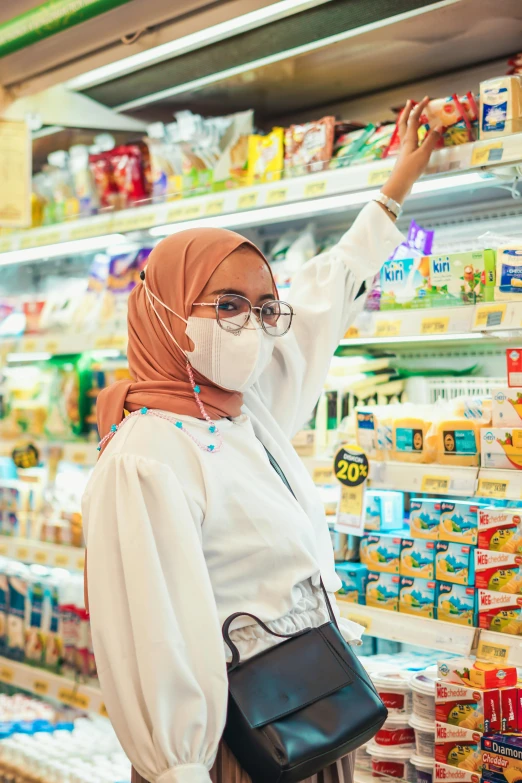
(232, 360)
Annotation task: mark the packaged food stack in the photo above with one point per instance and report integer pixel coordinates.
(422, 721)
(501, 444)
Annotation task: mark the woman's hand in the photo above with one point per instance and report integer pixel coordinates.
(413, 157)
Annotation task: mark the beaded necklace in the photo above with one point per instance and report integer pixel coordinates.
(212, 448)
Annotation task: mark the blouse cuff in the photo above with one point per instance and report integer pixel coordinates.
(187, 773)
(382, 238)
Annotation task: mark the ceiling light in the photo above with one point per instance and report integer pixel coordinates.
(61, 249)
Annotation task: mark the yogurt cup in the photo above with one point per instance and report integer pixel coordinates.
(424, 768)
(394, 762)
(363, 760)
(396, 732)
(423, 693)
(424, 736)
(394, 689)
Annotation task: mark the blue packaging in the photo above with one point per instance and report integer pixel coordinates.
(455, 563)
(456, 604)
(384, 509)
(353, 576)
(425, 518)
(403, 286)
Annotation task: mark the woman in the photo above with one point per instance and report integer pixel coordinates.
(186, 520)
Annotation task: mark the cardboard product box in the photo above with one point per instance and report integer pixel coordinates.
(418, 558)
(502, 758)
(404, 283)
(354, 577)
(476, 674)
(417, 596)
(384, 510)
(461, 278)
(425, 518)
(501, 448)
(507, 407)
(458, 747)
(468, 708)
(454, 563)
(382, 590)
(514, 367)
(443, 773)
(459, 521)
(500, 612)
(456, 604)
(382, 552)
(500, 529)
(511, 708)
(499, 571)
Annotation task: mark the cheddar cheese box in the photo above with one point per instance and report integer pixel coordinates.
(454, 563)
(500, 612)
(458, 747)
(499, 571)
(381, 552)
(382, 590)
(476, 674)
(500, 529)
(456, 604)
(502, 758)
(443, 773)
(417, 596)
(459, 521)
(425, 518)
(468, 708)
(418, 558)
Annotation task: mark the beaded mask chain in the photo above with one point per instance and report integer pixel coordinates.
(212, 448)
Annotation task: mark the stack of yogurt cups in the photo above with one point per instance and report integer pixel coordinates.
(422, 721)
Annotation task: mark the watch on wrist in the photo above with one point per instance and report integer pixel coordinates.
(389, 203)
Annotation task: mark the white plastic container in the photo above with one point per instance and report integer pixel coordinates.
(394, 762)
(423, 693)
(363, 760)
(394, 689)
(424, 768)
(424, 736)
(396, 732)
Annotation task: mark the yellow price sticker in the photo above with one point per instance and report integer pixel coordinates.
(489, 316)
(490, 488)
(435, 484)
(4, 549)
(103, 711)
(385, 328)
(345, 607)
(6, 674)
(40, 240)
(51, 346)
(378, 176)
(191, 211)
(351, 502)
(80, 563)
(516, 436)
(5, 245)
(352, 332)
(29, 346)
(215, 207)
(175, 214)
(315, 189)
(434, 325)
(102, 343)
(247, 200)
(41, 556)
(61, 559)
(21, 553)
(79, 457)
(323, 475)
(40, 687)
(276, 195)
(487, 153)
(144, 220)
(487, 651)
(74, 698)
(89, 230)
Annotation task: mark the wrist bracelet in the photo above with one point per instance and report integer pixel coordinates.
(389, 203)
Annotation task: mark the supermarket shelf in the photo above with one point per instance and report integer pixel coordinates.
(14, 349)
(438, 479)
(52, 686)
(314, 188)
(80, 452)
(410, 629)
(54, 555)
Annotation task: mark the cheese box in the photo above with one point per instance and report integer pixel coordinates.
(457, 442)
(502, 758)
(417, 596)
(443, 773)
(353, 577)
(410, 440)
(514, 367)
(404, 283)
(461, 278)
(418, 558)
(425, 518)
(511, 708)
(459, 521)
(498, 571)
(500, 106)
(456, 604)
(507, 408)
(381, 552)
(500, 612)
(384, 509)
(501, 448)
(468, 708)
(382, 590)
(500, 529)
(476, 674)
(458, 747)
(454, 563)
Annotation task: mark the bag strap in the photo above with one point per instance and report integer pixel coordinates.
(236, 658)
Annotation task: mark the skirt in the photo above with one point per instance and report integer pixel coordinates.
(227, 770)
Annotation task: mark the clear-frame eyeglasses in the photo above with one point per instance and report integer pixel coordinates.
(233, 313)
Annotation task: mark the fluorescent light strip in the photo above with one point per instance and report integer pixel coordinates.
(310, 207)
(196, 84)
(188, 43)
(61, 249)
(36, 356)
(415, 338)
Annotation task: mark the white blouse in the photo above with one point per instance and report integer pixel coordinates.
(179, 539)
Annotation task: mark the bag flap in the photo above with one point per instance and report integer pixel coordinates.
(288, 677)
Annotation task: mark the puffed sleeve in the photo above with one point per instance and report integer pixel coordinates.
(324, 295)
(156, 633)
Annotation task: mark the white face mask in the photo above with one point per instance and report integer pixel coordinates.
(232, 360)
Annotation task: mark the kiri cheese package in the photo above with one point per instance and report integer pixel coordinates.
(404, 283)
(425, 518)
(500, 612)
(500, 529)
(468, 708)
(459, 521)
(507, 407)
(501, 448)
(456, 604)
(462, 278)
(418, 558)
(498, 571)
(454, 563)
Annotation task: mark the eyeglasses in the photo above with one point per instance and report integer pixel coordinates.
(233, 314)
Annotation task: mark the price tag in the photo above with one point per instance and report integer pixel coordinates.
(73, 698)
(276, 195)
(61, 559)
(79, 457)
(490, 488)
(102, 343)
(175, 214)
(323, 475)
(21, 553)
(6, 674)
(489, 316)
(247, 200)
(5, 245)
(487, 651)
(378, 176)
(350, 504)
(351, 470)
(103, 711)
(388, 328)
(215, 207)
(191, 211)
(435, 484)
(4, 549)
(80, 563)
(29, 346)
(345, 607)
(143, 220)
(119, 341)
(51, 346)
(487, 153)
(315, 189)
(40, 687)
(89, 230)
(434, 325)
(40, 240)
(41, 556)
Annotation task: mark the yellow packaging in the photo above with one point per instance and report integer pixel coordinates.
(410, 440)
(457, 442)
(265, 157)
(500, 107)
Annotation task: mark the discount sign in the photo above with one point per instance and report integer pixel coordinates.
(351, 470)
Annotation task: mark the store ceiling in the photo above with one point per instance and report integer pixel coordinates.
(446, 39)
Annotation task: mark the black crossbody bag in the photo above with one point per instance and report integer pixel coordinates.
(301, 705)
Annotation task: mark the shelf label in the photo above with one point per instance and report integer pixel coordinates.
(90, 230)
(6, 674)
(323, 475)
(175, 214)
(40, 687)
(379, 176)
(388, 328)
(491, 488)
(435, 484)
(40, 556)
(191, 211)
(80, 563)
(61, 559)
(21, 553)
(5, 245)
(247, 200)
(40, 240)
(51, 346)
(215, 207)
(487, 153)
(3, 549)
(79, 457)
(29, 346)
(74, 698)
(489, 316)
(103, 711)
(276, 195)
(487, 651)
(434, 325)
(315, 189)
(354, 616)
